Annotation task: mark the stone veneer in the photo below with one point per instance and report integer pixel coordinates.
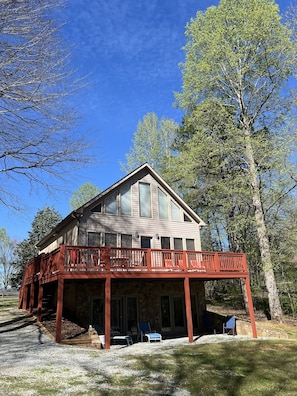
(78, 296)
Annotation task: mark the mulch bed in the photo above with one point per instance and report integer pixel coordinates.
(70, 329)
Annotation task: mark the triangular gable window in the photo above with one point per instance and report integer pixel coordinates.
(97, 208)
(186, 218)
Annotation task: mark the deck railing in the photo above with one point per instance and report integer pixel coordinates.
(104, 259)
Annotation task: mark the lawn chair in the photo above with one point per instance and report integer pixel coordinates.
(229, 325)
(145, 331)
(114, 337)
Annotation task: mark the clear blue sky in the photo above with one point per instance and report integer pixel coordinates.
(131, 50)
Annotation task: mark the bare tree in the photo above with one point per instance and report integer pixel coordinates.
(7, 258)
(36, 116)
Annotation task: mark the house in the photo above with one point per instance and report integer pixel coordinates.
(131, 253)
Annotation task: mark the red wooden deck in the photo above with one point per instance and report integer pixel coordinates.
(84, 262)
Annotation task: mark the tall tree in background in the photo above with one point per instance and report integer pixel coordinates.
(152, 143)
(44, 221)
(242, 55)
(7, 258)
(83, 194)
(35, 115)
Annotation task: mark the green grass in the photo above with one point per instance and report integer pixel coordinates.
(9, 302)
(237, 368)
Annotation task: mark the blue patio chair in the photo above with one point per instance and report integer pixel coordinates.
(229, 325)
(145, 331)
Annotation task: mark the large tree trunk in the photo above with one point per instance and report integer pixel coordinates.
(273, 296)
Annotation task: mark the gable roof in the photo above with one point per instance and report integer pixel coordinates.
(145, 167)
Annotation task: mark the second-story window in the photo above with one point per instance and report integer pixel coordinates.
(175, 212)
(94, 239)
(163, 205)
(110, 239)
(178, 243)
(125, 200)
(111, 204)
(145, 200)
(126, 240)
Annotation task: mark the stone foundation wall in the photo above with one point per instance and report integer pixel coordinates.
(78, 296)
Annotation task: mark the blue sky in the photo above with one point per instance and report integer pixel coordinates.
(131, 49)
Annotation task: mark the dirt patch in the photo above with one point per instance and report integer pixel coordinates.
(241, 314)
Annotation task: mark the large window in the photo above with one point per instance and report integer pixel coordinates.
(125, 200)
(163, 205)
(126, 240)
(165, 243)
(175, 212)
(172, 313)
(111, 204)
(94, 239)
(178, 243)
(110, 239)
(190, 244)
(145, 200)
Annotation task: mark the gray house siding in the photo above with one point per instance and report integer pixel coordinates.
(137, 226)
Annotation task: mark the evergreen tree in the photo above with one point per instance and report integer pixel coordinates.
(44, 221)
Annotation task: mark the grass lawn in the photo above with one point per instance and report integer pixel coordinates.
(237, 368)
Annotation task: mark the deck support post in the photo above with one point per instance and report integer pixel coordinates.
(107, 312)
(39, 306)
(32, 295)
(25, 297)
(59, 310)
(250, 307)
(188, 308)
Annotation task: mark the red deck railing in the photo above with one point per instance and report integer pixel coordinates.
(76, 259)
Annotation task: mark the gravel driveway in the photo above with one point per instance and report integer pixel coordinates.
(29, 358)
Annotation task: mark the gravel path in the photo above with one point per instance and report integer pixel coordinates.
(26, 351)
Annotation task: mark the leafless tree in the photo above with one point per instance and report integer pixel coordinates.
(38, 140)
(7, 258)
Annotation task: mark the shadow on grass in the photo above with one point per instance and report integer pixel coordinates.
(17, 323)
(233, 369)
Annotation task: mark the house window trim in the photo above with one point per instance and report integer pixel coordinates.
(163, 195)
(140, 200)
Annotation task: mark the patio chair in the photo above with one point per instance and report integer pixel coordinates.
(145, 331)
(229, 325)
(114, 336)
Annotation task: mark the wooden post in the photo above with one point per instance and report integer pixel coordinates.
(188, 309)
(107, 312)
(251, 308)
(59, 310)
(25, 297)
(185, 264)
(32, 295)
(107, 258)
(39, 306)
(216, 262)
(149, 259)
